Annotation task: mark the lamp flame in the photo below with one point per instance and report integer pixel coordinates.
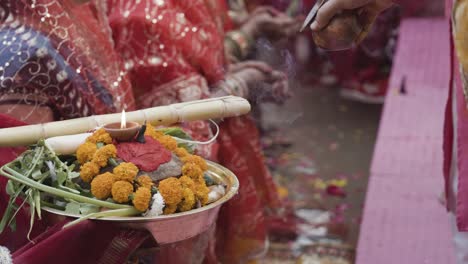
(123, 122)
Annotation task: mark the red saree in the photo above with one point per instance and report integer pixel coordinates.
(174, 52)
(57, 55)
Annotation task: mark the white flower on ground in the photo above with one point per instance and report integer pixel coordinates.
(5, 256)
(157, 206)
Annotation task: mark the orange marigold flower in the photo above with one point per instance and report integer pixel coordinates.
(181, 152)
(101, 186)
(168, 142)
(100, 136)
(85, 152)
(142, 199)
(187, 182)
(88, 171)
(152, 132)
(145, 181)
(192, 170)
(170, 209)
(171, 191)
(188, 201)
(126, 171)
(201, 192)
(199, 161)
(102, 155)
(121, 191)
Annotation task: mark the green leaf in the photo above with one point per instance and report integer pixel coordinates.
(73, 208)
(37, 200)
(86, 209)
(176, 132)
(61, 177)
(36, 174)
(10, 188)
(73, 175)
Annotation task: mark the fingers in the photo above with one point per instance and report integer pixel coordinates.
(258, 65)
(266, 9)
(326, 13)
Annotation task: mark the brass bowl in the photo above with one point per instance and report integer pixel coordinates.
(177, 227)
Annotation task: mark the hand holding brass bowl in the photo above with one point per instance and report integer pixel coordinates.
(343, 32)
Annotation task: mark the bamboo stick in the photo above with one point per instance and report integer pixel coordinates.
(215, 108)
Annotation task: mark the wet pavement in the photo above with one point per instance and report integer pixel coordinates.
(319, 147)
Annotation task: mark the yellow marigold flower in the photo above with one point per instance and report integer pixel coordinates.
(142, 199)
(101, 186)
(197, 160)
(187, 182)
(168, 142)
(85, 152)
(121, 191)
(88, 171)
(181, 152)
(188, 201)
(152, 132)
(145, 181)
(171, 191)
(126, 171)
(100, 136)
(192, 170)
(170, 209)
(201, 192)
(102, 155)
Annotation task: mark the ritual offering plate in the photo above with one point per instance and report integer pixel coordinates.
(150, 179)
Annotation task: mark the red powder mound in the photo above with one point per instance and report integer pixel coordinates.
(147, 157)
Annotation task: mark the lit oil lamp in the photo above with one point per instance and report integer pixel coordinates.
(123, 131)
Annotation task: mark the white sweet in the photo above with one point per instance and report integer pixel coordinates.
(216, 192)
(157, 206)
(5, 256)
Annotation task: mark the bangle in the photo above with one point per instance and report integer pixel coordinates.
(243, 41)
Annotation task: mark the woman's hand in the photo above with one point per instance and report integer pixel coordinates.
(334, 7)
(271, 23)
(262, 82)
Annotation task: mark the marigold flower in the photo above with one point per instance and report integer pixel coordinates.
(187, 182)
(85, 152)
(121, 190)
(192, 170)
(101, 186)
(100, 136)
(181, 152)
(126, 171)
(145, 181)
(88, 171)
(142, 199)
(168, 142)
(171, 190)
(170, 209)
(201, 192)
(194, 159)
(102, 155)
(188, 201)
(152, 132)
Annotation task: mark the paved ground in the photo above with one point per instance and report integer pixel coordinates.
(326, 169)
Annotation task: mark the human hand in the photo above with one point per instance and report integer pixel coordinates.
(261, 81)
(268, 22)
(371, 8)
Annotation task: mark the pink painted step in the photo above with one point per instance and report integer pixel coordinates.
(403, 221)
